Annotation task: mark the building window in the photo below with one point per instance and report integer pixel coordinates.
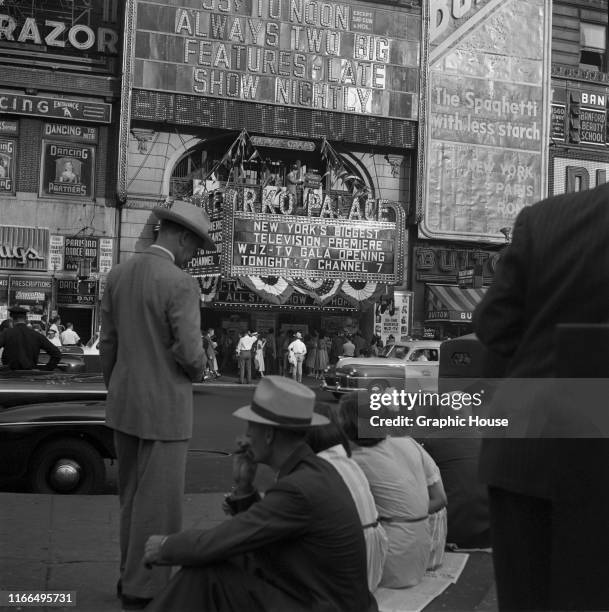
(593, 43)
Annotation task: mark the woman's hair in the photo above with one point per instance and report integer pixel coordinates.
(323, 437)
(352, 407)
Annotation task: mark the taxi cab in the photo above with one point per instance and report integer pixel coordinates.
(407, 365)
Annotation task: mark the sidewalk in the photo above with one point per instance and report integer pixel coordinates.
(70, 543)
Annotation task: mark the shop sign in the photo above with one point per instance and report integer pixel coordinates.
(78, 250)
(71, 132)
(265, 238)
(23, 248)
(8, 148)
(465, 278)
(348, 57)
(76, 293)
(592, 126)
(105, 255)
(437, 263)
(453, 316)
(571, 174)
(32, 292)
(208, 263)
(485, 130)
(56, 252)
(76, 28)
(559, 114)
(57, 108)
(68, 170)
(9, 127)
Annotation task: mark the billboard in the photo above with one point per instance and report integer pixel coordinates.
(68, 170)
(486, 122)
(348, 57)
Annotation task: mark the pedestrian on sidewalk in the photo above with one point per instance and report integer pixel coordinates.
(151, 353)
(244, 355)
(69, 337)
(299, 549)
(297, 351)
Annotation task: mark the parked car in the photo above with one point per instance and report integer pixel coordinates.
(52, 431)
(401, 366)
(74, 359)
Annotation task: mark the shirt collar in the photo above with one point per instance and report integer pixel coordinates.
(158, 246)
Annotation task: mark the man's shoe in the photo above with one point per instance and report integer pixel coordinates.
(134, 603)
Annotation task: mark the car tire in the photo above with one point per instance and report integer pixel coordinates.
(377, 386)
(67, 466)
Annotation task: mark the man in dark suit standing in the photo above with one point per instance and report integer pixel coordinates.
(299, 549)
(549, 497)
(151, 353)
(22, 344)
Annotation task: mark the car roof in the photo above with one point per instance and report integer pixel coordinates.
(420, 343)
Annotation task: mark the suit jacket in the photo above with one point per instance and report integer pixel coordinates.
(150, 347)
(305, 533)
(22, 346)
(556, 270)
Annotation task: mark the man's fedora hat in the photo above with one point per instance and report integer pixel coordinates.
(192, 217)
(282, 402)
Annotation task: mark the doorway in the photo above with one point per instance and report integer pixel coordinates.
(81, 318)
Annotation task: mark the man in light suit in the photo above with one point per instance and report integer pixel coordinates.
(549, 498)
(151, 353)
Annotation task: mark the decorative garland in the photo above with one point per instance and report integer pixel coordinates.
(274, 289)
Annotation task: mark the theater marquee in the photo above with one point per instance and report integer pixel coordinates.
(347, 57)
(264, 238)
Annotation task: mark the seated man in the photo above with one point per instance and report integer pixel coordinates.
(300, 548)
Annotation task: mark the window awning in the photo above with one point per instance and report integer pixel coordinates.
(451, 304)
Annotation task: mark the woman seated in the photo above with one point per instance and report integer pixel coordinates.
(330, 443)
(407, 488)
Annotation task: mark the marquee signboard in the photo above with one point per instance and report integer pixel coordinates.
(348, 57)
(264, 238)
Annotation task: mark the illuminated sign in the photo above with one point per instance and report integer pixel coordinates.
(207, 263)
(58, 31)
(347, 57)
(81, 249)
(57, 108)
(485, 129)
(24, 248)
(264, 238)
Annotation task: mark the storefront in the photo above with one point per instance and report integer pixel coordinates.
(58, 68)
(307, 138)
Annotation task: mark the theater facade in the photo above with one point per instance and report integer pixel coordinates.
(294, 123)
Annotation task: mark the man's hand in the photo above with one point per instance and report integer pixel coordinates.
(152, 551)
(244, 468)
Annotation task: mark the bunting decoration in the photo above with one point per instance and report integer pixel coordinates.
(321, 290)
(209, 287)
(361, 291)
(242, 150)
(273, 289)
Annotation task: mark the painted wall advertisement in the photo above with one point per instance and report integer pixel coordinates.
(348, 57)
(395, 319)
(487, 95)
(68, 170)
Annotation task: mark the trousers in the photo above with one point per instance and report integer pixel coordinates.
(151, 475)
(245, 366)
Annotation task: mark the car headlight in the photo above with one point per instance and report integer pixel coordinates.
(352, 372)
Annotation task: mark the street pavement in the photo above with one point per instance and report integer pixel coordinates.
(70, 543)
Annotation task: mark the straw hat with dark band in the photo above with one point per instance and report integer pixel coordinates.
(282, 402)
(191, 217)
